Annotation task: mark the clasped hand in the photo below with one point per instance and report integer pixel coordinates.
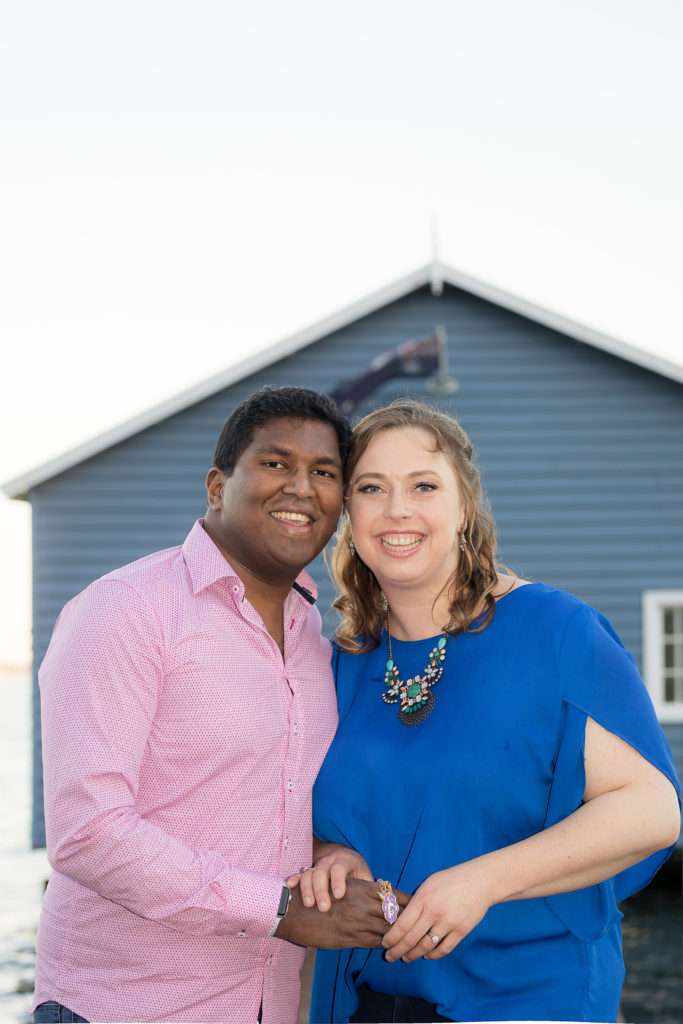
(447, 906)
(344, 912)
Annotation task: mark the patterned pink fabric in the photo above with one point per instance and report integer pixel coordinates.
(179, 756)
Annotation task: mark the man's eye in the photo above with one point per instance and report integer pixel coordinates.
(273, 464)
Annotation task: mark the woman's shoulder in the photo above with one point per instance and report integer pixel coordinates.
(515, 596)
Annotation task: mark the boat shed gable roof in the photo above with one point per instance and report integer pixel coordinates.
(434, 274)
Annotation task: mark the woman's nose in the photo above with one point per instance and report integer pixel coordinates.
(397, 507)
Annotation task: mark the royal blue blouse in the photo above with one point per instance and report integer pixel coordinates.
(499, 759)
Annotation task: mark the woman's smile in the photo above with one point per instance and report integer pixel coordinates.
(401, 544)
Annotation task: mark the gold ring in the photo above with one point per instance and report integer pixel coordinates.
(389, 902)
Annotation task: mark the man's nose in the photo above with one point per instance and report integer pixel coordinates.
(299, 482)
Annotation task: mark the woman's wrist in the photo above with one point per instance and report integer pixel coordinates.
(485, 876)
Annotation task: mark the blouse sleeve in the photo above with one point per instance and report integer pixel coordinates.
(600, 680)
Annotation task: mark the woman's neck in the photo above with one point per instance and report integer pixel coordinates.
(416, 618)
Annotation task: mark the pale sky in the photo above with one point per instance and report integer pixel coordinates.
(184, 182)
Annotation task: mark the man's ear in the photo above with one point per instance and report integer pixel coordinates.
(215, 479)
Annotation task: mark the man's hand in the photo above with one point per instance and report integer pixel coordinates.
(355, 920)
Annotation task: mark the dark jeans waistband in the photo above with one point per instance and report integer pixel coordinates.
(377, 1008)
(52, 1012)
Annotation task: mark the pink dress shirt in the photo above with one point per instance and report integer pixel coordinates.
(180, 751)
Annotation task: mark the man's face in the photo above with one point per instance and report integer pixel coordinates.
(281, 504)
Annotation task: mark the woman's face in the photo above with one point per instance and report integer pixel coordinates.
(406, 511)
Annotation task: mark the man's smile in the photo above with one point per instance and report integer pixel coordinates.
(293, 517)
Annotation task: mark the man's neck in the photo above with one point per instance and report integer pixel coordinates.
(266, 596)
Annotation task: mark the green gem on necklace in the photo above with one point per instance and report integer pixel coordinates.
(415, 695)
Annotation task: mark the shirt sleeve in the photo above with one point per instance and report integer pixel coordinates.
(100, 684)
(600, 680)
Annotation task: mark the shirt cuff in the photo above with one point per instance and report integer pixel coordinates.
(254, 900)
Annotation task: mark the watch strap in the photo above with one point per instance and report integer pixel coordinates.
(283, 907)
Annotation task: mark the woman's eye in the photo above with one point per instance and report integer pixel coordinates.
(369, 489)
(425, 487)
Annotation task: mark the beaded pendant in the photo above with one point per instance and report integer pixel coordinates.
(415, 694)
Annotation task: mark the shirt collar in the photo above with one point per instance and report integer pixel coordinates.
(206, 565)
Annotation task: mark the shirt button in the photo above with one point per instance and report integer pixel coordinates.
(289, 786)
(296, 727)
(241, 935)
(269, 961)
(235, 589)
(286, 842)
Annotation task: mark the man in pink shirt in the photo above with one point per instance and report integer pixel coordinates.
(187, 704)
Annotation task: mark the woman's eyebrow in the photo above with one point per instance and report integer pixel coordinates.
(383, 476)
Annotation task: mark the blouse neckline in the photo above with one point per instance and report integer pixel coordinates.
(432, 639)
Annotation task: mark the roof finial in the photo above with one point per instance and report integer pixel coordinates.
(436, 278)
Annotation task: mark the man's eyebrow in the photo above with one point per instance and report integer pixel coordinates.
(275, 449)
(271, 449)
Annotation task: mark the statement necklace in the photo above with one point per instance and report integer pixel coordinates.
(415, 695)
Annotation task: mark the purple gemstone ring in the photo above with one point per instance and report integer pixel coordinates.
(390, 906)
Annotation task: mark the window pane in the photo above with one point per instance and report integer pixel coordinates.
(671, 652)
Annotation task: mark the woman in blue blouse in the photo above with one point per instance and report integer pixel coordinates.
(497, 756)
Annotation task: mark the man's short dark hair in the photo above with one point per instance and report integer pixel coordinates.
(273, 403)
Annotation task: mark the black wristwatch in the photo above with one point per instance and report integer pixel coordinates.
(283, 908)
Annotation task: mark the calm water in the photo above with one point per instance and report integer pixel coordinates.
(652, 923)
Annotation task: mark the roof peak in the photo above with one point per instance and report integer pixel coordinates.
(434, 274)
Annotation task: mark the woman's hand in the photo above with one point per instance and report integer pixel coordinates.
(448, 905)
(333, 864)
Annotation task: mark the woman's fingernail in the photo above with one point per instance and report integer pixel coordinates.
(308, 902)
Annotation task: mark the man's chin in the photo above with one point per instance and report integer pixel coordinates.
(297, 555)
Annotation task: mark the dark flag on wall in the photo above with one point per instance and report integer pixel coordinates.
(411, 359)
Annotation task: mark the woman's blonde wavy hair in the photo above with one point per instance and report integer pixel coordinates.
(360, 600)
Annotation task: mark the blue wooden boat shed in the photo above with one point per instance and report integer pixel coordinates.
(579, 438)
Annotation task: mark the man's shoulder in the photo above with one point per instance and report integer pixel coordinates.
(148, 569)
(146, 579)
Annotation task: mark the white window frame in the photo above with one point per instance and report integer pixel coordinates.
(654, 601)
